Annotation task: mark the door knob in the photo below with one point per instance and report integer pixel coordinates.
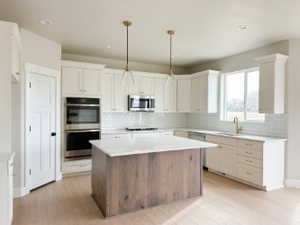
(53, 134)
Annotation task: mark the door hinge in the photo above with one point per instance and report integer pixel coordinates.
(29, 128)
(29, 171)
(29, 84)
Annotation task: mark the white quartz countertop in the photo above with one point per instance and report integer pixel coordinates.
(200, 131)
(141, 145)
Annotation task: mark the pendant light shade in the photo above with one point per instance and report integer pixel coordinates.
(171, 70)
(127, 73)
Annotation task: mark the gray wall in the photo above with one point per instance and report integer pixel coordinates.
(119, 64)
(243, 60)
(293, 92)
(40, 51)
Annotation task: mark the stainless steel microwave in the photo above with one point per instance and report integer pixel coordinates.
(141, 103)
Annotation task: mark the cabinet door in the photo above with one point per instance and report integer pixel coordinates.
(146, 85)
(107, 92)
(170, 95)
(228, 161)
(183, 95)
(266, 89)
(119, 93)
(71, 81)
(195, 95)
(91, 82)
(159, 92)
(212, 158)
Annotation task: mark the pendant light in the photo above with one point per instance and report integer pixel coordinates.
(171, 33)
(127, 73)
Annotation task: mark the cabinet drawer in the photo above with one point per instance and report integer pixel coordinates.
(212, 139)
(114, 136)
(250, 161)
(248, 152)
(227, 141)
(253, 145)
(250, 174)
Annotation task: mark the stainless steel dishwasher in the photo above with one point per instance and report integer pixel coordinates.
(199, 137)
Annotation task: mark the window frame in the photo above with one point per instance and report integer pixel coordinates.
(223, 92)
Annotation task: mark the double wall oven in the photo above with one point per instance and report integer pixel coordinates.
(82, 124)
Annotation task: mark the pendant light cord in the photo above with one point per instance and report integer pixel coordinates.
(127, 49)
(171, 65)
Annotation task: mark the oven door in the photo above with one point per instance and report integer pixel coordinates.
(82, 116)
(78, 142)
(141, 103)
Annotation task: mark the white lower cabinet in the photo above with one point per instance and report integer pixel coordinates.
(260, 164)
(6, 189)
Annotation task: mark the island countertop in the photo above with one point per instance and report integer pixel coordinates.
(142, 145)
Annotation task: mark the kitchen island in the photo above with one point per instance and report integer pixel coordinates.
(129, 174)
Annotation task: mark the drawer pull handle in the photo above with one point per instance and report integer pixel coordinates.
(249, 153)
(249, 161)
(248, 173)
(249, 144)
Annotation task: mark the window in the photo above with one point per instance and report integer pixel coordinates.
(240, 96)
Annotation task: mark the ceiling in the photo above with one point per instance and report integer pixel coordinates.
(205, 29)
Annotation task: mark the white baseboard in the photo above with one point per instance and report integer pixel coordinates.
(292, 183)
(58, 176)
(20, 192)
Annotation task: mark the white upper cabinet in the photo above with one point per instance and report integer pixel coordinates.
(159, 93)
(272, 70)
(204, 92)
(170, 95)
(71, 80)
(183, 93)
(143, 83)
(120, 92)
(113, 91)
(106, 92)
(81, 79)
(90, 81)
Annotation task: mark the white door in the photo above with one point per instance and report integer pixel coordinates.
(40, 147)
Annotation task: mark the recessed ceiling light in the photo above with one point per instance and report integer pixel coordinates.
(46, 22)
(108, 46)
(243, 27)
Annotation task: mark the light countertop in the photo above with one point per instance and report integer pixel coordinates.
(141, 145)
(200, 131)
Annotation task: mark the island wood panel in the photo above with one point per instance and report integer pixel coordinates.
(140, 181)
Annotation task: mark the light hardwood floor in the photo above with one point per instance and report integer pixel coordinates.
(225, 202)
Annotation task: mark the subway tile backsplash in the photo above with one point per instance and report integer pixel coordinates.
(274, 125)
(160, 120)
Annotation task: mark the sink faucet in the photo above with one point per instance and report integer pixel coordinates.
(236, 123)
